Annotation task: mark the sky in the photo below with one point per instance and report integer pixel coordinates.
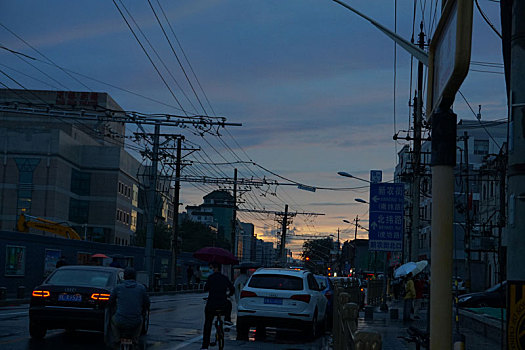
(316, 88)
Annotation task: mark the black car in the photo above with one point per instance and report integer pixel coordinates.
(492, 297)
(74, 297)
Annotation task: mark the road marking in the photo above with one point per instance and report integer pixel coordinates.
(188, 342)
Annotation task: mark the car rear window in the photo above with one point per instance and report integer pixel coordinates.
(281, 282)
(80, 278)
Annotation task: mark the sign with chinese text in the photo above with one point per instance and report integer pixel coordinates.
(386, 217)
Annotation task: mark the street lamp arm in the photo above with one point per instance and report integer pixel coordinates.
(412, 49)
(345, 174)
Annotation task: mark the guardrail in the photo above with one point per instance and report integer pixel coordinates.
(346, 336)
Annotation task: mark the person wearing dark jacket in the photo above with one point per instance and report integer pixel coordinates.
(131, 300)
(217, 286)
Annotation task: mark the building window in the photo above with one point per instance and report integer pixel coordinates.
(481, 147)
(78, 211)
(80, 182)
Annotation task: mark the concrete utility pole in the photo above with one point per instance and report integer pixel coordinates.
(416, 157)
(516, 146)
(176, 199)
(234, 214)
(282, 252)
(442, 238)
(152, 205)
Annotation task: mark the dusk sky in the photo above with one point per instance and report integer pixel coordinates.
(311, 82)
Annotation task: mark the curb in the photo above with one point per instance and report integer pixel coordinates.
(485, 326)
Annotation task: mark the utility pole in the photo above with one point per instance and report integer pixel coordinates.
(234, 214)
(152, 205)
(355, 240)
(176, 199)
(468, 273)
(516, 147)
(416, 156)
(282, 253)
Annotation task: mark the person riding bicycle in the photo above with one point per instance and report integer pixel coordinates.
(217, 286)
(131, 300)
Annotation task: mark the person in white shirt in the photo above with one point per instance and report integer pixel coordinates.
(240, 282)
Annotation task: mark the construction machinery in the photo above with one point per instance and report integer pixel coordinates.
(23, 225)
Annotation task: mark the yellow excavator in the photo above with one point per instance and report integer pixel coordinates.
(23, 225)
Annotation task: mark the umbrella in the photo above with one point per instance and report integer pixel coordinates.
(215, 254)
(410, 267)
(104, 256)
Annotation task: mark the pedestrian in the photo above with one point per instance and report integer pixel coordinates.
(189, 273)
(419, 286)
(240, 282)
(197, 274)
(410, 294)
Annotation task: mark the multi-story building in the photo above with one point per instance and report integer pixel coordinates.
(476, 140)
(58, 166)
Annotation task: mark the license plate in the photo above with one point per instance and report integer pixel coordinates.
(274, 301)
(70, 297)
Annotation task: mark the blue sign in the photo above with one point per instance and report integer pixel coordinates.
(376, 176)
(386, 216)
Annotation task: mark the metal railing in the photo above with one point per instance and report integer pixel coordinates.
(346, 336)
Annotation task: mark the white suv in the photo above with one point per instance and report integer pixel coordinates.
(281, 298)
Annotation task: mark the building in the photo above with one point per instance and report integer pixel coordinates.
(69, 170)
(477, 142)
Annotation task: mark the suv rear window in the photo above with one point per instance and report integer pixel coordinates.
(281, 282)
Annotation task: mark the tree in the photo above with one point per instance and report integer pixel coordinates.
(196, 235)
(316, 254)
(161, 236)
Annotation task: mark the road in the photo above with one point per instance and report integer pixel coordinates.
(175, 324)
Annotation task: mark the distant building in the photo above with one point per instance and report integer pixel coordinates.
(71, 170)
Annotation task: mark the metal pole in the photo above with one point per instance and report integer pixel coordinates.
(468, 273)
(516, 166)
(283, 236)
(234, 214)
(442, 238)
(152, 207)
(176, 199)
(416, 159)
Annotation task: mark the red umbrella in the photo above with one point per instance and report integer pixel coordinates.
(99, 256)
(215, 254)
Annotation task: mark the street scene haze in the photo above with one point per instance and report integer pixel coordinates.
(300, 174)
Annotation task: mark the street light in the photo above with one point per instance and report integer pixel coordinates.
(360, 200)
(345, 174)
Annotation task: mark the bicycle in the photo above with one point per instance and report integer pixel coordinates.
(219, 329)
(218, 315)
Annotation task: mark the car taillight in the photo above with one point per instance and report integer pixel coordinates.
(328, 295)
(100, 296)
(247, 294)
(41, 293)
(301, 297)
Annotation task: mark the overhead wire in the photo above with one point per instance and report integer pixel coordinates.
(41, 54)
(149, 57)
(158, 57)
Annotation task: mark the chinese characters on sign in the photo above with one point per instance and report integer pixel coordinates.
(386, 216)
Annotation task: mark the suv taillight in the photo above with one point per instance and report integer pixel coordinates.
(328, 295)
(301, 297)
(247, 294)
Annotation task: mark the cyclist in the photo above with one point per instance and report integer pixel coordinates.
(131, 300)
(217, 286)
